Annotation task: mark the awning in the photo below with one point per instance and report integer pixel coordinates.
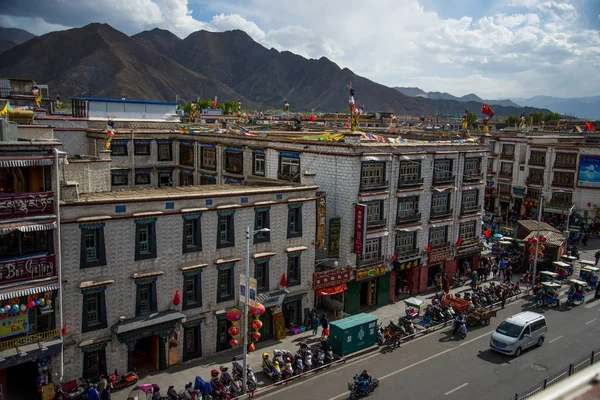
(31, 224)
(30, 161)
(332, 290)
(29, 352)
(272, 298)
(169, 317)
(28, 291)
(443, 189)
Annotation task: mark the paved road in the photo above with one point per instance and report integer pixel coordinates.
(441, 366)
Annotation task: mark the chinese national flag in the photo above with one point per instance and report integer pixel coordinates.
(487, 110)
(589, 127)
(459, 241)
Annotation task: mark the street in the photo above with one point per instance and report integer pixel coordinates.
(439, 365)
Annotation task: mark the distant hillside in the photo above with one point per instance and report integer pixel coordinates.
(159, 40)
(15, 35)
(6, 44)
(416, 92)
(581, 107)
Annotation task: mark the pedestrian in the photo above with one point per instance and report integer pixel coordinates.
(474, 280)
(503, 265)
(494, 271)
(509, 274)
(105, 395)
(597, 255)
(480, 273)
(445, 284)
(466, 267)
(316, 324)
(503, 298)
(324, 324)
(102, 384)
(92, 393)
(584, 240)
(486, 272)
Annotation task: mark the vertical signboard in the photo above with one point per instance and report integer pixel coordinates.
(360, 228)
(252, 290)
(335, 226)
(321, 217)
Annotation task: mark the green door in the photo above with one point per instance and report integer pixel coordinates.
(352, 297)
(383, 290)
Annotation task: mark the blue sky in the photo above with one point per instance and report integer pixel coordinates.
(494, 48)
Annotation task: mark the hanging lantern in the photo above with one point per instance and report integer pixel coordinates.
(256, 335)
(540, 254)
(530, 240)
(256, 324)
(48, 302)
(2, 311)
(542, 247)
(233, 315)
(531, 256)
(42, 301)
(7, 308)
(258, 310)
(37, 303)
(531, 249)
(233, 342)
(543, 238)
(534, 240)
(16, 307)
(176, 298)
(233, 331)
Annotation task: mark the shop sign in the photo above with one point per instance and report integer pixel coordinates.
(370, 272)
(321, 219)
(14, 325)
(331, 277)
(439, 256)
(335, 226)
(360, 228)
(252, 290)
(25, 269)
(26, 204)
(468, 249)
(407, 264)
(518, 191)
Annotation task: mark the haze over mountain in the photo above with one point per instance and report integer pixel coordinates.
(416, 92)
(10, 37)
(581, 107)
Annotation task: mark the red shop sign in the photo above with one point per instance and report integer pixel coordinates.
(26, 204)
(26, 269)
(360, 228)
(331, 277)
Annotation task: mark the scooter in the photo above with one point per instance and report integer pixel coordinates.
(462, 330)
(71, 390)
(380, 335)
(120, 382)
(234, 385)
(320, 358)
(251, 382)
(328, 352)
(298, 364)
(271, 369)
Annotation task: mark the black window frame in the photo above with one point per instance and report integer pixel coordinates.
(294, 261)
(140, 174)
(101, 354)
(262, 237)
(184, 176)
(158, 155)
(228, 162)
(198, 345)
(261, 269)
(203, 158)
(137, 146)
(197, 246)
(228, 272)
(264, 161)
(291, 176)
(190, 148)
(230, 241)
(152, 242)
(161, 175)
(102, 322)
(152, 302)
(100, 248)
(114, 175)
(297, 210)
(196, 279)
(113, 146)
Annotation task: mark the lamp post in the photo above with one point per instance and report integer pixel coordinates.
(569, 218)
(537, 243)
(247, 283)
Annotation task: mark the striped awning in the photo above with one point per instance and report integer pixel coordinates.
(28, 291)
(28, 225)
(7, 162)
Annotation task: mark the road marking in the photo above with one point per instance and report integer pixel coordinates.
(589, 322)
(455, 389)
(590, 305)
(555, 339)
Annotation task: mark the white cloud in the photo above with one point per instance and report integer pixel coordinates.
(37, 26)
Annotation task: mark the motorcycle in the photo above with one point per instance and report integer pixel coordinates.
(71, 390)
(219, 390)
(251, 382)
(234, 385)
(360, 387)
(119, 382)
(278, 359)
(271, 369)
(298, 364)
(306, 354)
(380, 335)
(328, 351)
(320, 358)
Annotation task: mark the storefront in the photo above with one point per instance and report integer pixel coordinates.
(435, 268)
(519, 198)
(272, 301)
(404, 281)
(292, 310)
(330, 287)
(469, 253)
(370, 289)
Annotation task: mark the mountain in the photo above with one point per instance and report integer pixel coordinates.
(416, 92)
(157, 39)
(97, 60)
(581, 107)
(6, 44)
(15, 35)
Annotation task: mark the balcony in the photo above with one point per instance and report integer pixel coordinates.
(534, 180)
(491, 172)
(474, 176)
(367, 186)
(507, 156)
(404, 254)
(541, 163)
(505, 196)
(505, 175)
(440, 214)
(443, 180)
(20, 205)
(564, 165)
(29, 339)
(367, 260)
(407, 183)
(379, 224)
(471, 209)
(408, 219)
(563, 184)
(440, 246)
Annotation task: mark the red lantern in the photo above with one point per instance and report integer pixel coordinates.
(258, 310)
(540, 254)
(534, 240)
(233, 331)
(256, 324)
(542, 247)
(543, 238)
(531, 256)
(532, 249)
(233, 315)
(176, 298)
(233, 342)
(256, 335)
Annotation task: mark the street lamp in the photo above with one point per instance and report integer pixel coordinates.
(247, 283)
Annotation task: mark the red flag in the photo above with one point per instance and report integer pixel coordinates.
(487, 110)
(312, 118)
(459, 241)
(429, 249)
(283, 282)
(589, 127)
(176, 298)
(394, 257)
(64, 330)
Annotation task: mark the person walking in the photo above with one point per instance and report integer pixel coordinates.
(509, 274)
(102, 384)
(324, 324)
(316, 324)
(445, 284)
(474, 280)
(503, 298)
(92, 393)
(494, 271)
(503, 265)
(584, 240)
(105, 395)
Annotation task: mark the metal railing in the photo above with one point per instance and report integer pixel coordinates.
(507, 156)
(565, 165)
(436, 214)
(475, 176)
(567, 371)
(363, 261)
(401, 220)
(29, 339)
(372, 185)
(401, 255)
(534, 180)
(380, 223)
(471, 209)
(404, 183)
(440, 180)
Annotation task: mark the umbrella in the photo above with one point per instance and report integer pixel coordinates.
(498, 236)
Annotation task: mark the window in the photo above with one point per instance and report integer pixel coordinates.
(92, 246)
(405, 242)
(146, 298)
(506, 169)
(261, 221)
(410, 173)
(258, 163)
(208, 180)
(375, 214)
(533, 193)
(537, 158)
(442, 171)
(408, 206)
(440, 203)
(145, 240)
(294, 220)
(186, 154)
(566, 160)
(261, 273)
(17, 243)
(119, 179)
(490, 167)
(225, 285)
(536, 175)
(565, 199)
(508, 150)
(192, 235)
(94, 363)
(289, 167)
(372, 249)
(372, 175)
(192, 290)
(192, 342)
(470, 200)
(467, 230)
(208, 158)
(118, 149)
(165, 152)
(186, 178)
(94, 311)
(142, 177)
(437, 236)
(293, 270)
(563, 178)
(538, 325)
(141, 148)
(492, 147)
(234, 160)
(165, 179)
(472, 168)
(225, 234)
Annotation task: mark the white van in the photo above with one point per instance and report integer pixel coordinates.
(519, 332)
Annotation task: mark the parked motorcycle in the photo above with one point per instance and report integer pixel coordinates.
(71, 390)
(219, 390)
(237, 372)
(234, 385)
(328, 351)
(279, 360)
(298, 364)
(380, 335)
(270, 368)
(120, 382)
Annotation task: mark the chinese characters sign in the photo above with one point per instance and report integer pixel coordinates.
(331, 277)
(26, 204)
(407, 264)
(24, 269)
(360, 228)
(13, 325)
(439, 256)
(321, 218)
(335, 226)
(370, 272)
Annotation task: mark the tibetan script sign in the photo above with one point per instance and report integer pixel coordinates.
(331, 277)
(370, 272)
(321, 221)
(439, 256)
(360, 228)
(335, 226)
(468, 249)
(26, 204)
(25, 269)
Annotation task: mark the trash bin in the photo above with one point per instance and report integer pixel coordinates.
(352, 334)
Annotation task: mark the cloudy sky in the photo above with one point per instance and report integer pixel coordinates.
(494, 48)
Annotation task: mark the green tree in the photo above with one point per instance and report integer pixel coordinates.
(552, 117)
(471, 119)
(511, 120)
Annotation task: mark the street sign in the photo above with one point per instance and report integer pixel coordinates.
(252, 284)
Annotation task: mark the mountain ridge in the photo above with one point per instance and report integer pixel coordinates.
(417, 92)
